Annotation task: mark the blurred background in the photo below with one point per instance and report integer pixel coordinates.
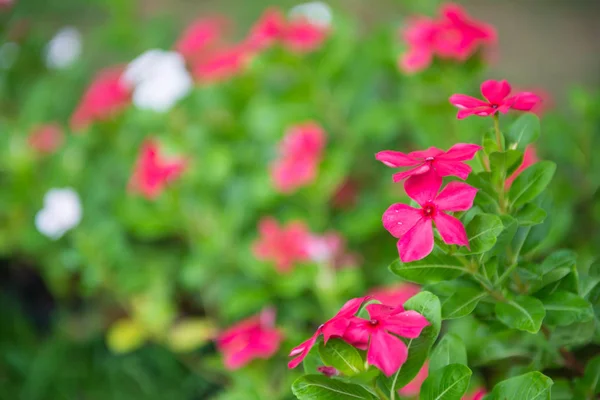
(128, 303)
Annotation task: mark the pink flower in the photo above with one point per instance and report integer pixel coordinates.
(476, 395)
(453, 36)
(300, 152)
(221, 64)
(413, 226)
(395, 295)
(267, 30)
(201, 36)
(284, 245)
(46, 138)
(152, 172)
(414, 387)
(252, 338)
(529, 158)
(387, 351)
(106, 96)
(444, 163)
(328, 371)
(498, 100)
(335, 327)
(330, 248)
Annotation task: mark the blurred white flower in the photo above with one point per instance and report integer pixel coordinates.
(9, 52)
(316, 12)
(64, 48)
(62, 212)
(159, 79)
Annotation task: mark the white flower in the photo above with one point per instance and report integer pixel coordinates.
(316, 12)
(64, 48)
(62, 212)
(159, 79)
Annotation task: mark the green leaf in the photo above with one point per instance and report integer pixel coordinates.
(530, 386)
(525, 130)
(483, 231)
(574, 334)
(320, 387)
(530, 215)
(523, 313)
(561, 390)
(449, 350)
(590, 382)
(565, 308)
(504, 239)
(428, 305)
(531, 183)
(556, 260)
(462, 303)
(344, 357)
(503, 164)
(433, 268)
(448, 383)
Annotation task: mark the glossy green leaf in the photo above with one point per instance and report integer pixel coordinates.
(531, 183)
(448, 383)
(482, 231)
(462, 303)
(525, 130)
(449, 350)
(433, 268)
(530, 215)
(565, 308)
(558, 259)
(344, 357)
(503, 164)
(320, 387)
(530, 386)
(523, 313)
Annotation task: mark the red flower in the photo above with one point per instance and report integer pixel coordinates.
(252, 338)
(476, 395)
(387, 351)
(335, 327)
(454, 36)
(498, 99)
(204, 34)
(152, 172)
(300, 154)
(529, 158)
(46, 138)
(413, 226)
(444, 163)
(106, 96)
(413, 387)
(395, 295)
(285, 246)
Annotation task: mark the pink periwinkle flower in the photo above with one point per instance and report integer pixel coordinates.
(300, 153)
(152, 172)
(385, 350)
(529, 158)
(201, 36)
(414, 226)
(498, 99)
(330, 249)
(395, 295)
(252, 338)
(46, 138)
(476, 395)
(106, 96)
(413, 387)
(283, 245)
(443, 163)
(221, 64)
(267, 30)
(335, 327)
(455, 35)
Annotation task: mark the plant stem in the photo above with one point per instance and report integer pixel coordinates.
(498, 133)
(571, 361)
(380, 394)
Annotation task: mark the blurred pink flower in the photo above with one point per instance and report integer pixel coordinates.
(413, 226)
(444, 163)
(152, 172)
(106, 96)
(330, 248)
(252, 338)
(328, 371)
(476, 395)
(395, 295)
(387, 351)
(346, 194)
(46, 138)
(202, 35)
(283, 245)
(529, 158)
(300, 152)
(335, 327)
(497, 94)
(267, 30)
(413, 387)
(221, 64)
(5, 4)
(546, 100)
(455, 35)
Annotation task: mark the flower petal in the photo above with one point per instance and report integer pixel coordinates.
(417, 243)
(395, 159)
(495, 91)
(451, 229)
(407, 324)
(460, 152)
(525, 101)
(456, 196)
(415, 60)
(302, 350)
(453, 168)
(386, 352)
(463, 101)
(399, 218)
(421, 169)
(423, 188)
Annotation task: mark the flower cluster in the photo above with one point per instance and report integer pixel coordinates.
(414, 226)
(453, 36)
(379, 335)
